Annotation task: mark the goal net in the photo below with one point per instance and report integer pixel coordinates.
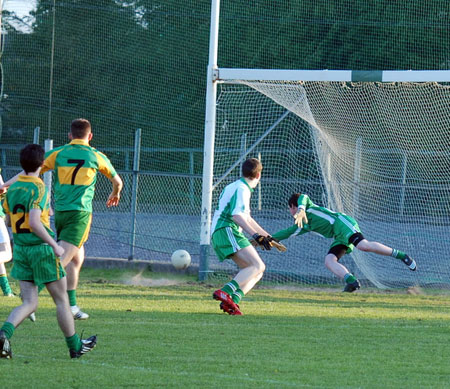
(373, 150)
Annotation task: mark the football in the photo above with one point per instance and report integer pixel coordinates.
(181, 259)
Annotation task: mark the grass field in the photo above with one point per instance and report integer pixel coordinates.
(171, 334)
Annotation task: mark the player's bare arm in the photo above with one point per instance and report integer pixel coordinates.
(272, 241)
(114, 197)
(257, 227)
(249, 225)
(38, 229)
(260, 236)
(5, 185)
(3, 189)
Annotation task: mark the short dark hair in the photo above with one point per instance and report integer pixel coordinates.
(251, 167)
(79, 128)
(31, 157)
(293, 200)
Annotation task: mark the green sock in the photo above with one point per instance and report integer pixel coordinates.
(4, 284)
(398, 254)
(74, 342)
(8, 329)
(72, 297)
(237, 295)
(349, 278)
(231, 287)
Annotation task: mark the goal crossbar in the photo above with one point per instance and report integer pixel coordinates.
(224, 74)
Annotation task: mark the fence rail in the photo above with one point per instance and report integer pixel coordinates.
(135, 178)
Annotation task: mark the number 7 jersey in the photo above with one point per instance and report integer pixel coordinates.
(76, 166)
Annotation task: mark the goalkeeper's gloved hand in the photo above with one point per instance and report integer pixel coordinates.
(263, 241)
(277, 244)
(300, 217)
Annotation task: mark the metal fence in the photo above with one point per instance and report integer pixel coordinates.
(160, 210)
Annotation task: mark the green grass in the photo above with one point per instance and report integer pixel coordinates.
(175, 336)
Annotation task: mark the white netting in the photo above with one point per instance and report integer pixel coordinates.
(378, 152)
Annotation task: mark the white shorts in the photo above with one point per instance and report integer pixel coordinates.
(4, 236)
(5, 246)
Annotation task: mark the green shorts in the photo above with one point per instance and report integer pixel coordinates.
(227, 241)
(37, 264)
(344, 227)
(73, 226)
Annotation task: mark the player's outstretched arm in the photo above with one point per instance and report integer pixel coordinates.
(272, 242)
(260, 237)
(244, 221)
(257, 227)
(114, 197)
(284, 234)
(7, 184)
(267, 242)
(252, 228)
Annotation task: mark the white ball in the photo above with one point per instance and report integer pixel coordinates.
(181, 259)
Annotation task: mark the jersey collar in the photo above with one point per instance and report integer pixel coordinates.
(24, 178)
(246, 183)
(79, 142)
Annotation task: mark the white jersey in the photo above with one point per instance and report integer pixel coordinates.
(234, 200)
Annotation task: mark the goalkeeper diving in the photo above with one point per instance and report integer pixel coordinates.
(344, 231)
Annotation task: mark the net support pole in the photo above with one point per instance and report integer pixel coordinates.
(208, 150)
(191, 179)
(52, 57)
(48, 145)
(402, 192)
(36, 132)
(258, 187)
(134, 191)
(243, 149)
(328, 180)
(357, 176)
(2, 74)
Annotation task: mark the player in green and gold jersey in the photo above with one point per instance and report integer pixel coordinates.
(76, 165)
(344, 231)
(36, 255)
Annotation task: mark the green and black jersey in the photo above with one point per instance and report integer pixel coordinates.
(323, 221)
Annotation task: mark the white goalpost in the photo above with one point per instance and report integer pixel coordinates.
(372, 144)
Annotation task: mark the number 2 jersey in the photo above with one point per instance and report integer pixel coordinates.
(27, 193)
(76, 166)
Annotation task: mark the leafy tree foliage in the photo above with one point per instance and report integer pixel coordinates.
(142, 63)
